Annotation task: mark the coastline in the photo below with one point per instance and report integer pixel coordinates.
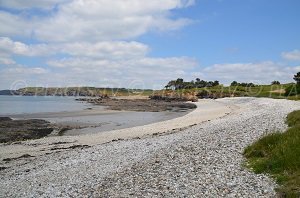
(99, 119)
(206, 110)
(203, 158)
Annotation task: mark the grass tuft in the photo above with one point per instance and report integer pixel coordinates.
(278, 154)
(293, 118)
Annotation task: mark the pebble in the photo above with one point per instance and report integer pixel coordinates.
(204, 160)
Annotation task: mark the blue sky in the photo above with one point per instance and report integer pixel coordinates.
(233, 31)
(144, 44)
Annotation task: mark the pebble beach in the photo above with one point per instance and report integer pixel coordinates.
(198, 158)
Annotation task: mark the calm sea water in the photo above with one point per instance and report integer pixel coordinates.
(10, 105)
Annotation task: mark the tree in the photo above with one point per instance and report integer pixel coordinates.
(297, 78)
(275, 82)
(250, 85)
(209, 84)
(234, 83)
(179, 83)
(216, 83)
(171, 85)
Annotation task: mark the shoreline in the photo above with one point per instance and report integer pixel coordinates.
(99, 119)
(207, 110)
(96, 115)
(203, 158)
(93, 110)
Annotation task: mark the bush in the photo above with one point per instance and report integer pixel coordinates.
(292, 90)
(293, 118)
(203, 94)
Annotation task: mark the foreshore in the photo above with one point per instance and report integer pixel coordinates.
(197, 154)
(206, 110)
(105, 114)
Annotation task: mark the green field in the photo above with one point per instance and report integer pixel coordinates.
(278, 154)
(270, 91)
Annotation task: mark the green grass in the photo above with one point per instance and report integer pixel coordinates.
(293, 118)
(278, 154)
(269, 91)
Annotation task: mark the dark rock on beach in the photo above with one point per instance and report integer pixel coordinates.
(18, 130)
(5, 119)
(141, 104)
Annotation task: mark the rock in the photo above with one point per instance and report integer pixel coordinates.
(5, 119)
(154, 105)
(18, 130)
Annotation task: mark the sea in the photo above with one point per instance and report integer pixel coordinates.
(30, 107)
(12, 105)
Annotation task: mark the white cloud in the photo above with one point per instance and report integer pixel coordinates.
(105, 49)
(10, 47)
(95, 64)
(25, 70)
(14, 25)
(93, 20)
(292, 56)
(108, 50)
(88, 42)
(260, 73)
(150, 71)
(85, 71)
(28, 4)
(121, 62)
(6, 61)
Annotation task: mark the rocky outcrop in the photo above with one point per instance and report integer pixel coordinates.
(5, 119)
(141, 104)
(17, 130)
(174, 97)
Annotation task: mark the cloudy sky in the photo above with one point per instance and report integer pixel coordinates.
(146, 43)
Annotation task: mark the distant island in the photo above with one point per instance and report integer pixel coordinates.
(73, 91)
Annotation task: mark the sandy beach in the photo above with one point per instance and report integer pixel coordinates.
(100, 119)
(206, 110)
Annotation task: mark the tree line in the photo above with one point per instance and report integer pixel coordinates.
(197, 83)
(235, 84)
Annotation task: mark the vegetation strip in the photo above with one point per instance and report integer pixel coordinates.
(278, 154)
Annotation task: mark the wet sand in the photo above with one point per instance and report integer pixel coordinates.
(100, 119)
(206, 110)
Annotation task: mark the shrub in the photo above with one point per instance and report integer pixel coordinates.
(278, 154)
(293, 118)
(292, 90)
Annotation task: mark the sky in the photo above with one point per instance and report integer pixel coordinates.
(145, 44)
